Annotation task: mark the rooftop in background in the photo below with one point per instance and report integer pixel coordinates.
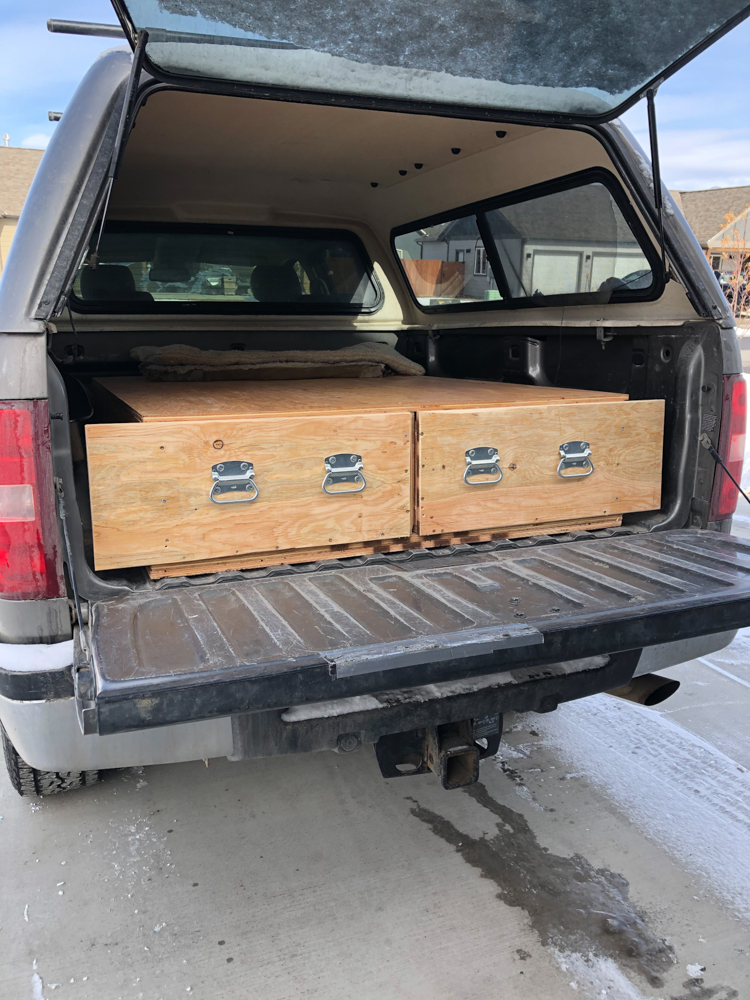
(735, 235)
(706, 211)
(17, 169)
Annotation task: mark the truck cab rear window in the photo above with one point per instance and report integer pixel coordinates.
(158, 268)
(571, 242)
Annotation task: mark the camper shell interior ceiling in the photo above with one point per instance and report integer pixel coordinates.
(209, 160)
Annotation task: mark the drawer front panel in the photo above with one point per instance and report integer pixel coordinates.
(624, 438)
(150, 486)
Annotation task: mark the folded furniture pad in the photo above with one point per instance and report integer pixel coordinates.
(182, 363)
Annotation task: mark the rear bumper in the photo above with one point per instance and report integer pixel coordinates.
(48, 736)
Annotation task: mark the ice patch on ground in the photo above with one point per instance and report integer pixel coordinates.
(139, 853)
(597, 976)
(689, 797)
(695, 971)
(37, 984)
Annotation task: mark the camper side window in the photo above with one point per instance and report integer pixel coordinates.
(576, 240)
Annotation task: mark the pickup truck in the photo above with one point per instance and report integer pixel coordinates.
(503, 226)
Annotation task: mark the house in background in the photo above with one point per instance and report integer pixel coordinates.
(706, 213)
(572, 241)
(17, 169)
(460, 243)
(730, 248)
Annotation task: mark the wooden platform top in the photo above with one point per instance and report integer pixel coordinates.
(156, 401)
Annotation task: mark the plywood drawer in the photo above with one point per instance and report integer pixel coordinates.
(625, 439)
(150, 486)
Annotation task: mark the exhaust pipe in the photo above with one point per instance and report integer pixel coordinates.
(648, 689)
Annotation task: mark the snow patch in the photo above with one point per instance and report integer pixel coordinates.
(330, 709)
(526, 794)
(37, 984)
(139, 854)
(683, 793)
(721, 670)
(597, 976)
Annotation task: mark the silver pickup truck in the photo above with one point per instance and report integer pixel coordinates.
(484, 143)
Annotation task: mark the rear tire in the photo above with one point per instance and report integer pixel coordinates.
(30, 781)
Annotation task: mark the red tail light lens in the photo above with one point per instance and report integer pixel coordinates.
(30, 564)
(731, 447)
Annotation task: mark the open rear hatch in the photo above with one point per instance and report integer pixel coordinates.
(562, 58)
(252, 642)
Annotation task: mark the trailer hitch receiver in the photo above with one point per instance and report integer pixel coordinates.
(452, 751)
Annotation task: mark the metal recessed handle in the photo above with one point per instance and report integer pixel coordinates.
(482, 462)
(233, 480)
(575, 455)
(344, 470)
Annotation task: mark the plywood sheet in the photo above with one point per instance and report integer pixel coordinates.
(150, 486)
(625, 440)
(154, 401)
(325, 552)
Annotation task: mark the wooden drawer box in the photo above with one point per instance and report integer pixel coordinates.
(150, 486)
(538, 485)
(150, 477)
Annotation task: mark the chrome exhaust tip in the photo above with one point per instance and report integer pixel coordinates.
(647, 689)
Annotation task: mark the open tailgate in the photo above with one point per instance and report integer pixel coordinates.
(256, 642)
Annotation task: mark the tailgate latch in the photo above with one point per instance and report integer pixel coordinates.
(233, 478)
(574, 455)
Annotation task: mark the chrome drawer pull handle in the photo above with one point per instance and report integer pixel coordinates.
(482, 462)
(236, 479)
(344, 468)
(575, 455)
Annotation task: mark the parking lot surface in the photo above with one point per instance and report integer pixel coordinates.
(606, 848)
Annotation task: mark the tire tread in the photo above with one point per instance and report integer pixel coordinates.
(29, 781)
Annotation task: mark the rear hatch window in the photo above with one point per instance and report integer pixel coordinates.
(566, 56)
(569, 242)
(159, 268)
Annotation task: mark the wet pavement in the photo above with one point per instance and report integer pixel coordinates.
(606, 848)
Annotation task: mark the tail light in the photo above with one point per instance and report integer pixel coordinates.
(731, 447)
(30, 563)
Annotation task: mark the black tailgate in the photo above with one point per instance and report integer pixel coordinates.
(253, 643)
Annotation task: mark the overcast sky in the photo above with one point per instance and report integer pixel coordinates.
(704, 123)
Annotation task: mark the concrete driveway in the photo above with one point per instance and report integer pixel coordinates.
(606, 852)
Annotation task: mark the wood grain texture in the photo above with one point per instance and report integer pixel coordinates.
(155, 401)
(150, 486)
(297, 556)
(626, 445)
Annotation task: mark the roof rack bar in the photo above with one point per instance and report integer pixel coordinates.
(84, 28)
